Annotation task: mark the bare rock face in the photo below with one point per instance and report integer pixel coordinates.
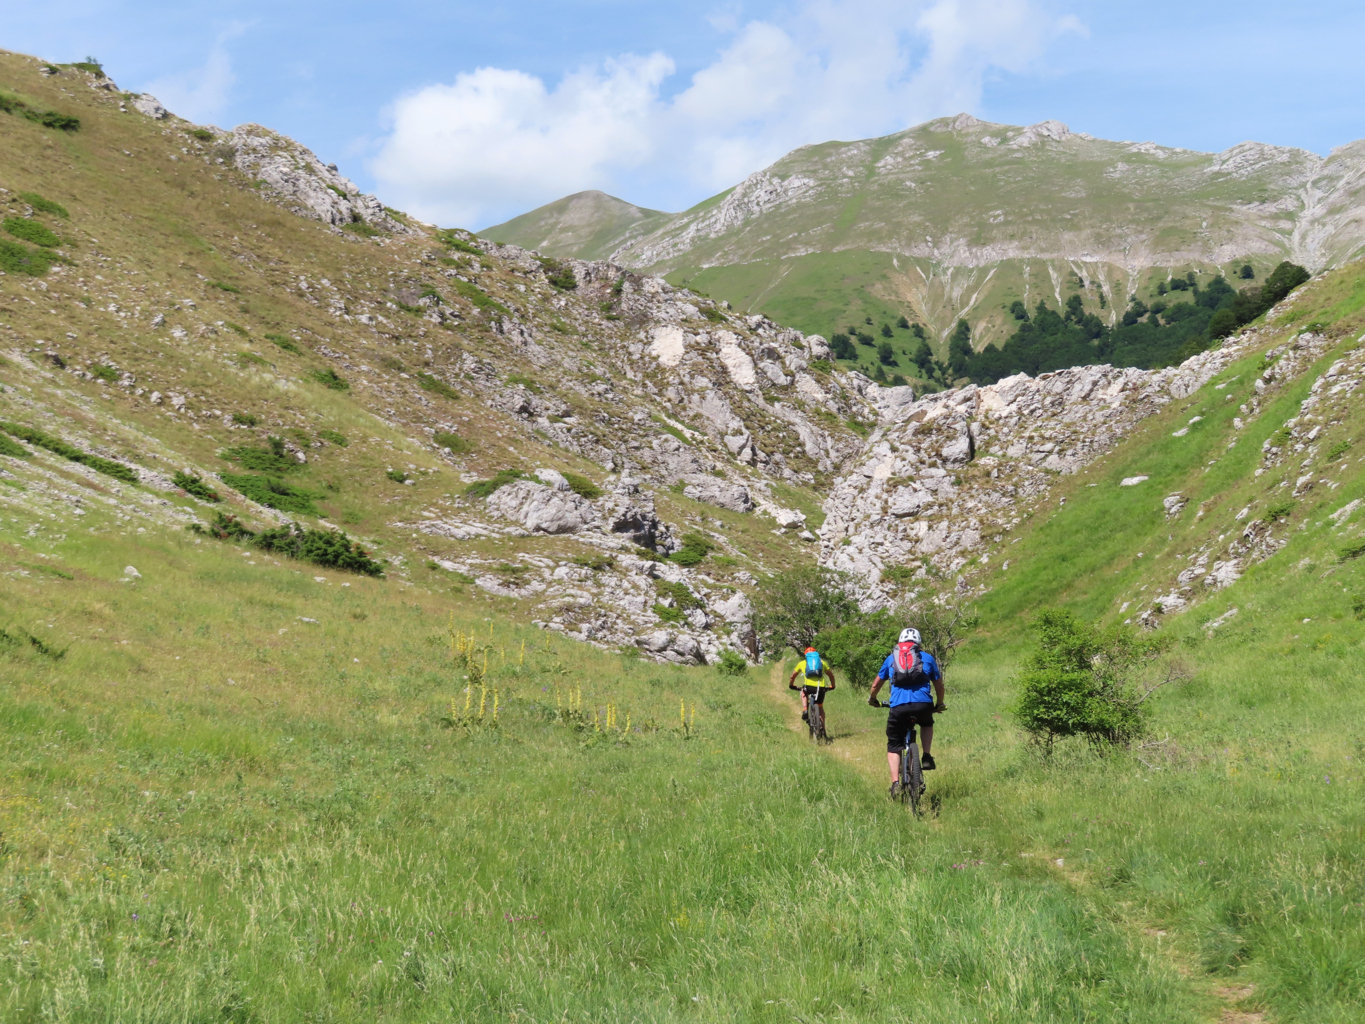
(295, 177)
(908, 496)
(542, 509)
(720, 493)
(629, 513)
(149, 105)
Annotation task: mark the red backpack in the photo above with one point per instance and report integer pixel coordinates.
(908, 667)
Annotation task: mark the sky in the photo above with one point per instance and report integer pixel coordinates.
(467, 114)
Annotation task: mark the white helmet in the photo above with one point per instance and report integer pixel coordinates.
(910, 634)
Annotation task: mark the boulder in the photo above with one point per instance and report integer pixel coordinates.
(542, 509)
(148, 104)
(629, 512)
(721, 493)
(553, 478)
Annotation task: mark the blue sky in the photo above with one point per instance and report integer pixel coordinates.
(468, 113)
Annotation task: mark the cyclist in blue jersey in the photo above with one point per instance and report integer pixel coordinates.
(911, 670)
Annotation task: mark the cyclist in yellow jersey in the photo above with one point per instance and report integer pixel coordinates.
(816, 685)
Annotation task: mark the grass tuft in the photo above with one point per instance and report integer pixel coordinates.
(108, 467)
(329, 378)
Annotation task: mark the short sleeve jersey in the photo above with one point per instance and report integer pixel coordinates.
(921, 695)
(801, 678)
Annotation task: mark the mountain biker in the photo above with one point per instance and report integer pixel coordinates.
(815, 686)
(911, 670)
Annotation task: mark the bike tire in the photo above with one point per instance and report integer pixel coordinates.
(816, 714)
(914, 774)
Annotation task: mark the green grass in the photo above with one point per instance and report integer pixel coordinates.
(436, 386)
(273, 492)
(31, 231)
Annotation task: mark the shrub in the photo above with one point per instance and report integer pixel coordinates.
(1337, 450)
(364, 230)
(397, 476)
(791, 608)
(202, 134)
(560, 276)
(673, 616)
(529, 383)
(821, 365)
(194, 484)
(285, 343)
(329, 378)
(449, 439)
(11, 104)
(331, 549)
(1246, 273)
(223, 286)
(1076, 681)
(245, 419)
(19, 259)
(252, 359)
(597, 563)
(1279, 510)
(435, 385)
(900, 575)
(581, 485)
(238, 329)
(14, 451)
(732, 663)
(334, 437)
(1351, 551)
(713, 314)
(696, 546)
(483, 488)
(272, 492)
(473, 293)
(271, 459)
(453, 241)
(108, 467)
(105, 372)
(31, 231)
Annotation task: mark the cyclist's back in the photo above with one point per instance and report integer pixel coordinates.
(915, 679)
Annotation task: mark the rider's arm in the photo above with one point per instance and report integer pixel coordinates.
(876, 686)
(938, 687)
(830, 672)
(791, 679)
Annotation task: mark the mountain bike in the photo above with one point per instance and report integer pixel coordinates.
(911, 787)
(815, 715)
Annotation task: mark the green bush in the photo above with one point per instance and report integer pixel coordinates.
(272, 492)
(237, 328)
(285, 343)
(732, 663)
(791, 608)
(1351, 551)
(223, 286)
(329, 378)
(560, 276)
(597, 563)
(397, 476)
(900, 575)
(105, 372)
(19, 259)
(672, 616)
(1279, 510)
(680, 593)
(194, 484)
(271, 459)
(108, 467)
(483, 488)
(31, 231)
(359, 227)
(436, 386)
(334, 437)
(858, 648)
(245, 419)
(449, 439)
(581, 485)
(12, 104)
(821, 366)
(330, 549)
(1337, 450)
(1076, 681)
(14, 451)
(713, 314)
(453, 241)
(202, 134)
(225, 526)
(696, 546)
(529, 383)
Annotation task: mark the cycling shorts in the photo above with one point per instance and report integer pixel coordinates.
(815, 693)
(902, 717)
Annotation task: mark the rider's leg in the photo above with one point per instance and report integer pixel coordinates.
(927, 731)
(893, 761)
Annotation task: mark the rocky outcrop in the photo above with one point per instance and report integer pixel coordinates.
(292, 175)
(950, 473)
(542, 509)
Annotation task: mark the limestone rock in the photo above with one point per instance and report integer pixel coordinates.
(149, 105)
(542, 509)
(721, 493)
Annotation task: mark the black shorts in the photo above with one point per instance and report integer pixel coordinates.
(902, 717)
(816, 693)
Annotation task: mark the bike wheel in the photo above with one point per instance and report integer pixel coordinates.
(914, 776)
(816, 714)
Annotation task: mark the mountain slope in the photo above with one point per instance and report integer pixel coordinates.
(957, 218)
(586, 225)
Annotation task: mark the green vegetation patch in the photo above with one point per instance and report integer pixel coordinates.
(434, 384)
(452, 240)
(19, 259)
(473, 293)
(192, 483)
(334, 437)
(483, 488)
(271, 459)
(283, 342)
(11, 104)
(13, 450)
(223, 286)
(581, 485)
(108, 467)
(272, 492)
(696, 546)
(31, 231)
(329, 378)
(330, 549)
(449, 439)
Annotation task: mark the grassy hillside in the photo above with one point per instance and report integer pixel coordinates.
(586, 225)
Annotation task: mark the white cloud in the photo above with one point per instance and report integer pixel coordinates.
(202, 94)
(498, 142)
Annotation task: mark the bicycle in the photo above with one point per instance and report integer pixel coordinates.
(815, 715)
(911, 786)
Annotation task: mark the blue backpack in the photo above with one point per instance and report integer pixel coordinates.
(815, 669)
